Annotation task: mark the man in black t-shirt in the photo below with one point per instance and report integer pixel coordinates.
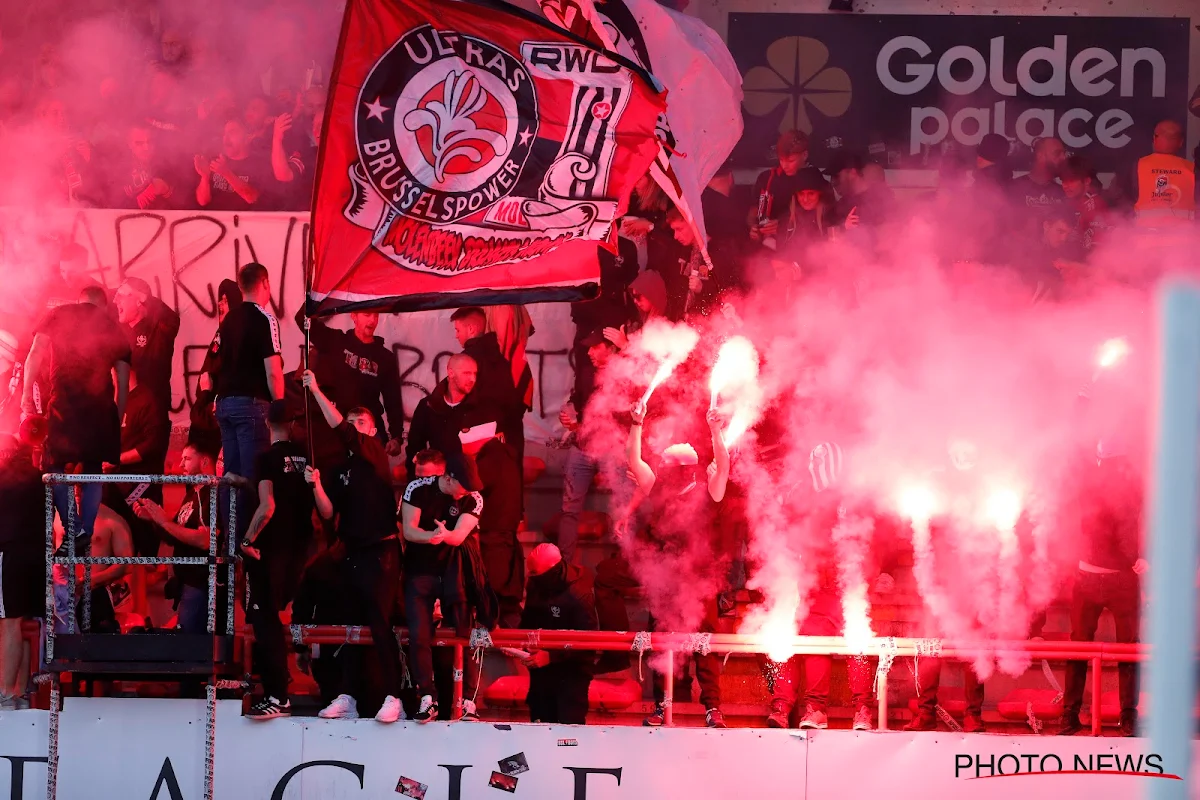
(360, 493)
(75, 351)
(276, 547)
(432, 502)
(22, 562)
(150, 326)
(249, 378)
(240, 179)
(145, 437)
(189, 535)
(502, 489)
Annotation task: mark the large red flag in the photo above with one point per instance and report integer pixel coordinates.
(472, 154)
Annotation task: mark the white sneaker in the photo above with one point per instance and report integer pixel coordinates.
(390, 711)
(342, 707)
(469, 712)
(427, 711)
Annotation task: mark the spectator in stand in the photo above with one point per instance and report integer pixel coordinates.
(291, 162)
(71, 175)
(495, 394)
(259, 124)
(189, 535)
(1108, 577)
(992, 163)
(559, 596)
(111, 539)
(150, 326)
(240, 179)
(139, 181)
(1165, 182)
(22, 563)
(808, 225)
(692, 288)
(774, 189)
(164, 112)
(249, 378)
(678, 509)
(145, 437)
(1081, 186)
(440, 417)
(355, 368)
(75, 352)
(360, 493)
(501, 488)
(432, 502)
(861, 203)
(1039, 190)
(1058, 254)
(580, 468)
(612, 308)
(513, 326)
(275, 549)
(723, 217)
(203, 416)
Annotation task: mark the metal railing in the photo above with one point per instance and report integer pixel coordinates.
(886, 649)
(214, 561)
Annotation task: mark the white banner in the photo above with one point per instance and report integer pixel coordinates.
(184, 255)
(120, 749)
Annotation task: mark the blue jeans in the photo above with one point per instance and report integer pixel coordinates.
(86, 509)
(244, 437)
(193, 609)
(578, 473)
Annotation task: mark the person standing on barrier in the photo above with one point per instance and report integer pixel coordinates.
(360, 494)
(22, 563)
(431, 502)
(150, 326)
(249, 379)
(1109, 577)
(679, 508)
(189, 536)
(559, 596)
(275, 549)
(75, 351)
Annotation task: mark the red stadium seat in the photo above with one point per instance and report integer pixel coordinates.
(605, 694)
(1015, 705)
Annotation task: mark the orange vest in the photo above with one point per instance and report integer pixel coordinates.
(1166, 191)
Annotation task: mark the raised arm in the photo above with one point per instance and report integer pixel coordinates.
(329, 411)
(718, 478)
(643, 476)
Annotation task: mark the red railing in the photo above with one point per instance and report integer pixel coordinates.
(1097, 653)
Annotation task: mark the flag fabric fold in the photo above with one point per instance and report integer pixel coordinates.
(474, 154)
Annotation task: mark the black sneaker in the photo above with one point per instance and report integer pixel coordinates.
(269, 708)
(427, 711)
(83, 546)
(713, 718)
(1129, 723)
(1071, 725)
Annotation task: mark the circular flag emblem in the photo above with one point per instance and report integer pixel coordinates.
(444, 124)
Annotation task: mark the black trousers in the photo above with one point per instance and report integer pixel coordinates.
(929, 672)
(708, 667)
(1119, 593)
(505, 565)
(558, 693)
(371, 576)
(272, 581)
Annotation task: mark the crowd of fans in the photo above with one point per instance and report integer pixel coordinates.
(148, 106)
(440, 545)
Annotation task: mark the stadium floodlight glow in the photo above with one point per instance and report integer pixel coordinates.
(1112, 353)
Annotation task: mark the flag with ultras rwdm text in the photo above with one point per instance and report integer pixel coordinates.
(473, 154)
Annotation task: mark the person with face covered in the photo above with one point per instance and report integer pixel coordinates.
(355, 368)
(558, 596)
(359, 493)
(681, 500)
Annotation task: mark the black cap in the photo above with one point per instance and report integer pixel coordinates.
(594, 338)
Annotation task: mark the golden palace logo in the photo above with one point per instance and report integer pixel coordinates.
(798, 77)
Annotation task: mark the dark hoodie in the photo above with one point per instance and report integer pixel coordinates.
(436, 425)
(494, 395)
(353, 373)
(562, 599)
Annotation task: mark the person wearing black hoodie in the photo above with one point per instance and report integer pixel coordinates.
(558, 596)
(495, 395)
(355, 369)
(439, 418)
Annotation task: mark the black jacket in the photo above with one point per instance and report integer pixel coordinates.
(436, 425)
(494, 391)
(563, 599)
(465, 584)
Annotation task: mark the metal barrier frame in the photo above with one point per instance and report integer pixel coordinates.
(1095, 653)
(214, 561)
